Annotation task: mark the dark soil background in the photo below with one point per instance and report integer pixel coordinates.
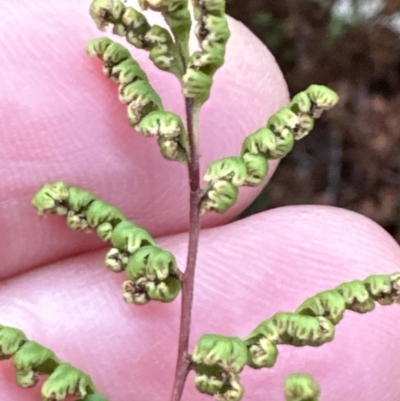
(352, 158)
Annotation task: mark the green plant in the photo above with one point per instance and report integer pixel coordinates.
(152, 272)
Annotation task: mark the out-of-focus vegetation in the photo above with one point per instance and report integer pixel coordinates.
(352, 159)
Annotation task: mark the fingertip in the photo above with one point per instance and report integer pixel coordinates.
(63, 121)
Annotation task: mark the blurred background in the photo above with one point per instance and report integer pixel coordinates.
(352, 158)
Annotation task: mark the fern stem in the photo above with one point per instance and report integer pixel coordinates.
(184, 359)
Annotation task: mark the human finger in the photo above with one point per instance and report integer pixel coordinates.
(60, 119)
(247, 271)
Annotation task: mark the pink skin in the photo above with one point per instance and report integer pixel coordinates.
(70, 126)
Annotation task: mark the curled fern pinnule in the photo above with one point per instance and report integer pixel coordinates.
(78, 205)
(77, 221)
(263, 145)
(116, 59)
(153, 275)
(103, 217)
(303, 128)
(384, 289)
(162, 123)
(165, 291)
(135, 26)
(126, 239)
(233, 389)
(113, 55)
(229, 353)
(142, 104)
(261, 345)
(197, 85)
(301, 387)
(223, 386)
(284, 118)
(220, 197)
(142, 291)
(11, 340)
(79, 199)
(172, 135)
(223, 178)
(231, 169)
(173, 150)
(65, 381)
(262, 354)
(97, 47)
(116, 260)
(284, 144)
(205, 63)
(257, 169)
(129, 237)
(32, 360)
(52, 199)
(297, 123)
(217, 361)
(322, 98)
(105, 11)
(159, 36)
(151, 262)
(283, 131)
(210, 384)
(329, 304)
(160, 42)
(266, 329)
(144, 96)
(126, 72)
(135, 292)
(301, 104)
(356, 296)
(261, 142)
